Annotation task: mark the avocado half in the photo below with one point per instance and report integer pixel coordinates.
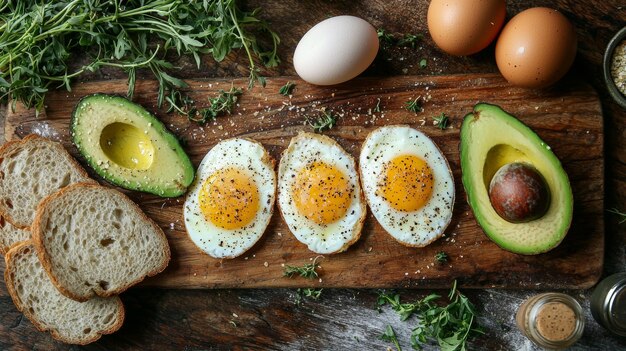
(129, 147)
(491, 138)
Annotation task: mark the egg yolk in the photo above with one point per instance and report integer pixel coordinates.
(407, 184)
(321, 193)
(229, 198)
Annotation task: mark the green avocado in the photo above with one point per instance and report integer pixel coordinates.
(492, 138)
(130, 147)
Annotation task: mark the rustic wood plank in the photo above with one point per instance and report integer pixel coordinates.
(568, 118)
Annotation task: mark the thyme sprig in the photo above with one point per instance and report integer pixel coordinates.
(326, 120)
(308, 271)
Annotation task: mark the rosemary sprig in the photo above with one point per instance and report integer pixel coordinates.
(414, 106)
(325, 121)
(441, 121)
(286, 89)
(39, 40)
(390, 336)
(307, 271)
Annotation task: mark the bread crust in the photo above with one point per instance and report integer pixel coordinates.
(15, 144)
(44, 255)
(19, 249)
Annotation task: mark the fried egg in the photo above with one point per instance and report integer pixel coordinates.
(319, 194)
(230, 203)
(407, 183)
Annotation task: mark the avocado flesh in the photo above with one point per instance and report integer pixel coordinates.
(491, 138)
(129, 147)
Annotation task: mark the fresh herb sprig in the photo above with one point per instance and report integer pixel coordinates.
(441, 257)
(387, 39)
(414, 106)
(621, 214)
(312, 293)
(39, 40)
(451, 325)
(308, 271)
(441, 121)
(325, 121)
(222, 103)
(390, 336)
(286, 89)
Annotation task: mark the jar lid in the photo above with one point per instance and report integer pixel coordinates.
(608, 304)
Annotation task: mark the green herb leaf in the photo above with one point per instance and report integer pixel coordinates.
(441, 257)
(414, 106)
(621, 214)
(222, 103)
(390, 336)
(324, 122)
(423, 63)
(286, 89)
(441, 121)
(307, 271)
(312, 293)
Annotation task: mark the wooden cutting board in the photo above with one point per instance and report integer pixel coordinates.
(567, 117)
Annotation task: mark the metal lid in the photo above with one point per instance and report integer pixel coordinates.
(608, 303)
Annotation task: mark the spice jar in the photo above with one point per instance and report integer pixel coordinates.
(608, 303)
(551, 320)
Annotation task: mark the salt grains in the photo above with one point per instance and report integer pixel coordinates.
(618, 67)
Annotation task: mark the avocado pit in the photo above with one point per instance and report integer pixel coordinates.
(518, 193)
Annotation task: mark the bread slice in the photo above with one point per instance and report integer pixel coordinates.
(67, 320)
(94, 240)
(10, 235)
(30, 170)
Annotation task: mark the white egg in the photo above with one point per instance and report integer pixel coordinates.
(407, 183)
(336, 50)
(232, 198)
(319, 194)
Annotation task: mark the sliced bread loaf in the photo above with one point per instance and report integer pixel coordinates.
(94, 240)
(31, 169)
(67, 320)
(11, 235)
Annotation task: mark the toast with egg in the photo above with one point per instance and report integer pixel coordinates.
(67, 320)
(95, 241)
(10, 235)
(30, 170)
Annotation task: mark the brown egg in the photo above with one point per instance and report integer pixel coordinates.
(464, 27)
(536, 48)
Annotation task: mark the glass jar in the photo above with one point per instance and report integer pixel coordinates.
(553, 321)
(608, 303)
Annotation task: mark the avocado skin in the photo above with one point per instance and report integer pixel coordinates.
(473, 196)
(175, 188)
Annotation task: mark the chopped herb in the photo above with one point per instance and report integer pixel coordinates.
(286, 89)
(307, 271)
(385, 38)
(451, 325)
(325, 121)
(441, 121)
(40, 40)
(621, 214)
(223, 103)
(312, 293)
(390, 336)
(388, 40)
(441, 257)
(409, 40)
(414, 106)
(423, 63)
(377, 108)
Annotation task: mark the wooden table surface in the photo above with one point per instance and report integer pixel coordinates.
(346, 319)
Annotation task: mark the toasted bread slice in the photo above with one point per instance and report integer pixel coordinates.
(30, 170)
(11, 235)
(94, 241)
(67, 320)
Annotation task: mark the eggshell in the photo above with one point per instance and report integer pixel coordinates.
(336, 50)
(536, 48)
(464, 27)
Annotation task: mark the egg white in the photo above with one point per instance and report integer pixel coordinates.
(417, 228)
(243, 154)
(335, 237)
